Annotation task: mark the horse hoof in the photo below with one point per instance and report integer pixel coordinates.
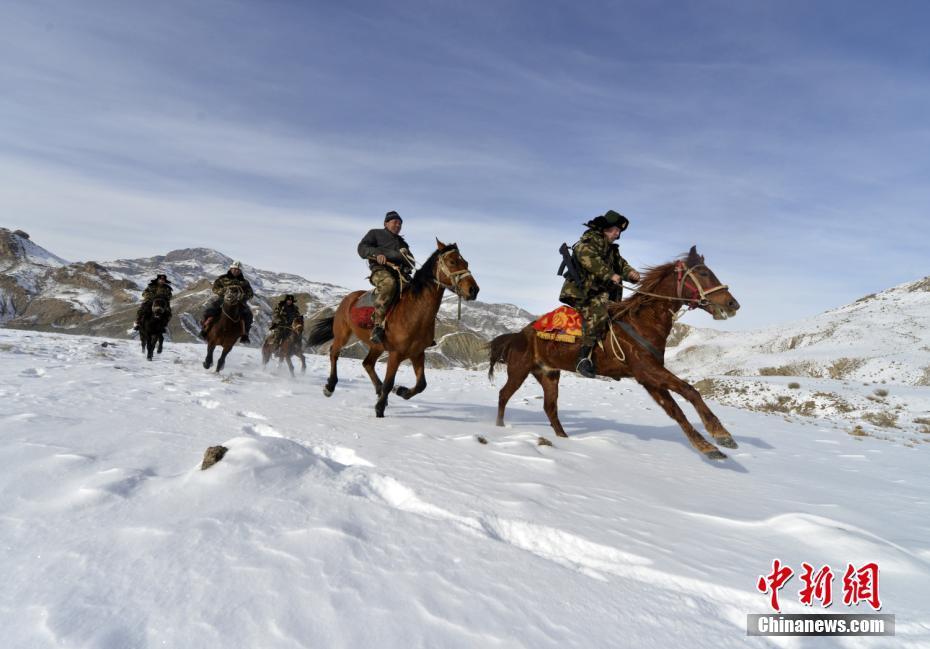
(327, 392)
(715, 455)
(726, 442)
(379, 414)
(207, 366)
(499, 422)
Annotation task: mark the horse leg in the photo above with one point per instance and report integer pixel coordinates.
(516, 375)
(222, 360)
(419, 366)
(303, 362)
(720, 434)
(393, 363)
(161, 342)
(266, 355)
(369, 364)
(208, 361)
(341, 334)
(549, 380)
(664, 399)
(290, 365)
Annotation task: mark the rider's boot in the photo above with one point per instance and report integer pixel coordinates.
(585, 363)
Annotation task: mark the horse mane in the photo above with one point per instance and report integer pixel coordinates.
(423, 278)
(652, 276)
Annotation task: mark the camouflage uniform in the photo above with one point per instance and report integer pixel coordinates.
(152, 292)
(597, 260)
(220, 285)
(385, 279)
(282, 318)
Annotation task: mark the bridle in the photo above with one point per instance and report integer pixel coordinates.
(696, 293)
(455, 278)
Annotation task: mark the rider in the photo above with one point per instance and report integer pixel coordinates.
(232, 277)
(390, 262)
(602, 269)
(159, 287)
(283, 317)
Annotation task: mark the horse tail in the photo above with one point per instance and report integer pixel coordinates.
(499, 350)
(321, 332)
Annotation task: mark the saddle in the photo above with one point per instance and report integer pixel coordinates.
(562, 325)
(363, 310)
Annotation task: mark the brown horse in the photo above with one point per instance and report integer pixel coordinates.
(225, 329)
(634, 346)
(290, 345)
(152, 327)
(411, 324)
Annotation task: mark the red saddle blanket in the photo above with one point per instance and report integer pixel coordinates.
(562, 324)
(362, 316)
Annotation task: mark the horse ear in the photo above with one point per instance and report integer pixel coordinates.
(439, 244)
(694, 258)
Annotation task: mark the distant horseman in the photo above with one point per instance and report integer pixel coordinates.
(282, 318)
(601, 270)
(391, 264)
(232, 278)
(158, 288)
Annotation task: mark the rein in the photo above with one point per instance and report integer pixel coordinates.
(696, 289)
(454, 277)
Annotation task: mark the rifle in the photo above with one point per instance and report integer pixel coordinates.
(567, 269)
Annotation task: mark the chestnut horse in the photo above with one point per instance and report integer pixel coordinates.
(634, 346)
(410, 325)
(291, 345)
(226, 328)
(152, 327)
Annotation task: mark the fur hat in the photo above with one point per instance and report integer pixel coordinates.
(609, 219)
(161, 276)
(236, 264)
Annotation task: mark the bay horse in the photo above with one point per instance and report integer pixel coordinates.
(226, 328)
(152, 327)
(634, 347)
(411, 324)
(291, 345)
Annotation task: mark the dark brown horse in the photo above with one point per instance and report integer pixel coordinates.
(649, 314)
(411, 324)
(225, 329)
(152, 327)
(291, 345)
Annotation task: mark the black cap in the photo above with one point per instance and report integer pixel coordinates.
(390, 216)
(289, 297)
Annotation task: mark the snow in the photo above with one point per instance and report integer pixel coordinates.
(326, 527)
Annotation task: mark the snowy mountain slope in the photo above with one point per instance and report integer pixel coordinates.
(22, 264)
(327, 527)
(859, 362)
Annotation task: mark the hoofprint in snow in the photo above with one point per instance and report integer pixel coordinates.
(326, 527)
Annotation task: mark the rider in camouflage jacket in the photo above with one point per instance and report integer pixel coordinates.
(601, 269)
(158, 288)
(390, 262)
(232, 277)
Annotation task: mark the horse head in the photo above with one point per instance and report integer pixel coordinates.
(233, 295)
(297, 326)
(159, 306)
(699, 287)
(451, 271)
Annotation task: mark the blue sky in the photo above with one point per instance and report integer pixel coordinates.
(788, 140)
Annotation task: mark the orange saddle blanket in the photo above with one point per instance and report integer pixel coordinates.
(563, 324)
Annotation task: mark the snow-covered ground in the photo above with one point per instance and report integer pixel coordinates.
(326, 527)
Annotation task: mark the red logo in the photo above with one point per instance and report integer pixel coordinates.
(859, 585)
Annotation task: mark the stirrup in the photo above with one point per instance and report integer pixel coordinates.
(585, 367)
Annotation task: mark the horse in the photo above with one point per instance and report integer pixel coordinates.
(635, 347)
(226, 328)
(152, 327)
(411, 324)
(291, 345)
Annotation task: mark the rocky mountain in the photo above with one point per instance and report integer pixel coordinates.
(41, 291)
(867, 362)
